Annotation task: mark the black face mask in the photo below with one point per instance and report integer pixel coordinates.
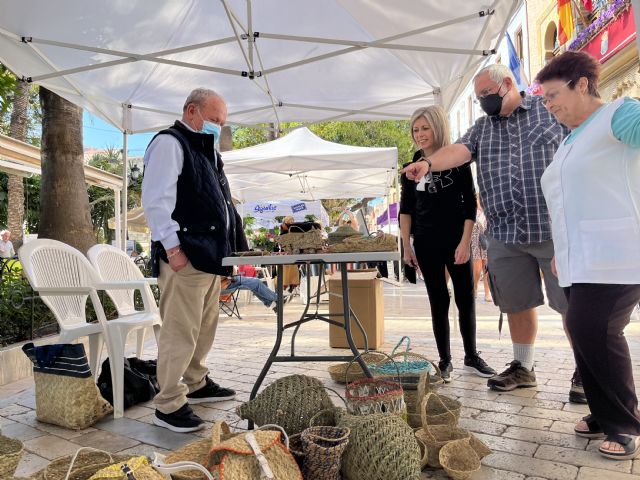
(492, 103)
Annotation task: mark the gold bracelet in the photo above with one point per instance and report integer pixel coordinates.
(177, 252)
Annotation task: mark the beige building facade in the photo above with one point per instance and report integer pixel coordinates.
(614, 44)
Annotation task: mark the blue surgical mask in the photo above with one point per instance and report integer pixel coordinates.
(210, 128)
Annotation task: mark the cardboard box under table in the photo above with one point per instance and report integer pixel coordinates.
(367, 303)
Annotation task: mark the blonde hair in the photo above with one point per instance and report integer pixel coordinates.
(437, 119)
(288, 219)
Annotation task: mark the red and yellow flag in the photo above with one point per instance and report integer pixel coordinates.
(565, 21)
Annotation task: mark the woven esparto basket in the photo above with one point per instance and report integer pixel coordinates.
(366, 396)
(437, 409)
(137, 466)
(289, 402)
(459, 459)
(10, 454)
(437, 436)
(198, 451)
(323, 447)
(381, 447)
(347, 372)
(294, 242)
(409, 365)
(80, 466)
(376, 242)
(413, 398)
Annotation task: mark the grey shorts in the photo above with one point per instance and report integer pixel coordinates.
(515, 280)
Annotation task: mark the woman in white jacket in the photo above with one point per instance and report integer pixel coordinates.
(592, 189)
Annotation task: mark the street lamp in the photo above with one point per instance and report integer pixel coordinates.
(134, 175)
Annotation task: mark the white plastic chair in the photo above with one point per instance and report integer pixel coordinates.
(64, 278)
(114, 265)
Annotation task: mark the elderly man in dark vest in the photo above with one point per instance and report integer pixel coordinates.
(194, 224)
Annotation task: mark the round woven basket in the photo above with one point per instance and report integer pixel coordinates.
(343, 373)
(323, 448)
(10, 454)
(84, 466)
(138, 466)
(459, 459)
(436, 409)
(367, 396)
(437, 436)
(289, 402)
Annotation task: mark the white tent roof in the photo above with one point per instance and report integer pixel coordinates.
(133, 62)
(301, 165)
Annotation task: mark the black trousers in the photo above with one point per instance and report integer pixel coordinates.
(432, 259)
(596, 318)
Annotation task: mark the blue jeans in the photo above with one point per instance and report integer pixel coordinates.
(255, 285)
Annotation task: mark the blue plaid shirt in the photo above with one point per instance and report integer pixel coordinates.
(511, 154)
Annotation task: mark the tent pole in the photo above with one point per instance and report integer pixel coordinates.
(116, 203)
(397, 185)
(125, 185)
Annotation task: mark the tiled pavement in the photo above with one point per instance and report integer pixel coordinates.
(530, 430)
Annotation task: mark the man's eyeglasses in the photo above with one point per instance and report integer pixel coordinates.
(550, 97)
(486, 92)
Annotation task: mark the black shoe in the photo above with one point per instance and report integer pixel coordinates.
(211, 392)
(516, 376)
(182, 420)
(446, 368)
(478, 366)
(576, 393)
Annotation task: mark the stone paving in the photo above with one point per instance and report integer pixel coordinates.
(530, 430)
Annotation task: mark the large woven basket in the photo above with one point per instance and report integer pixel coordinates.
(406, 367)
(437, 436)
(289, 402)
(376, 242)
(10, 454)
(459, 459)
(381, 447)
(298, 242)
(80, 466)
(235, 458)
(198, 451)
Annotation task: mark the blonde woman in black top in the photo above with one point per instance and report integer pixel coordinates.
(440, 212)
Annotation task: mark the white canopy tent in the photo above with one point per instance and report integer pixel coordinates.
(301, 165)
(133, 62)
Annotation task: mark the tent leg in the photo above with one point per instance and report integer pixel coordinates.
(125, 185)
(116, 203)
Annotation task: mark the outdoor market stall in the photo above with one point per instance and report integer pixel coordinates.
(133, 63)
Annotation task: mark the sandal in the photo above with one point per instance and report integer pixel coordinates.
(630, 447)
(593, 430)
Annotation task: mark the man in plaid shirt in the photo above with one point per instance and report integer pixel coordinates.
(512, 146)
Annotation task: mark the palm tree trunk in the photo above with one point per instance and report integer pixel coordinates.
(64, 202)
(15, 185)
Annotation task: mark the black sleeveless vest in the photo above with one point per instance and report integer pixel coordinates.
(203, 204)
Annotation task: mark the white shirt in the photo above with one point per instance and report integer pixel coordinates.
(163, 163)
(592, 189)
(6, 249)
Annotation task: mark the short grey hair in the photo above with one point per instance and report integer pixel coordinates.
(199, 96)
(2, 232)
(497, 72)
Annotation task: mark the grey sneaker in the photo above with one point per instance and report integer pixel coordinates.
(516, 376)
(446, 368)
(576, 392)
